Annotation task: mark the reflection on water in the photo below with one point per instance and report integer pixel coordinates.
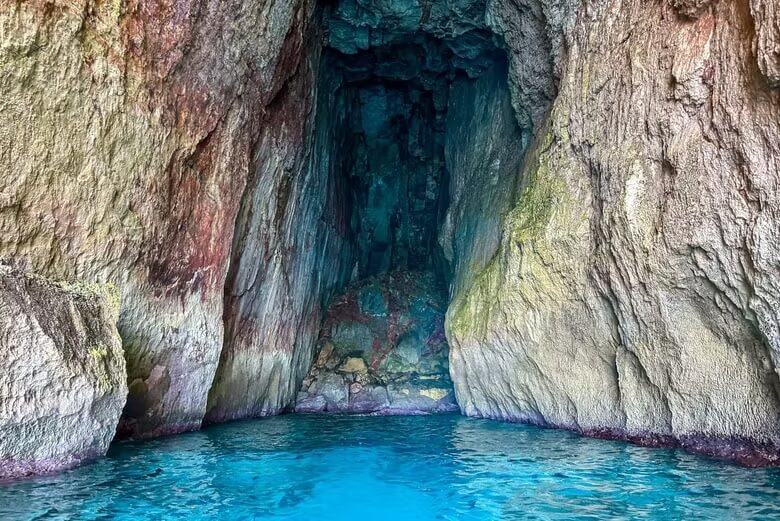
(399, 468)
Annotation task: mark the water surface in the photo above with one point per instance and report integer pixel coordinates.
(323, 467)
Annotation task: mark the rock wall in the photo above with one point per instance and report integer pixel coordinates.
(535, 33)
(62, 373)
(191, 153)
(634, 293)
(399, 62)
(396, 176)
(134, 129)
(292, 249)
(483, 153)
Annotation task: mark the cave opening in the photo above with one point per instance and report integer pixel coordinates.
(408, 103)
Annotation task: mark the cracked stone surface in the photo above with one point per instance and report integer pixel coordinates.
(138, 132)
(612, 252)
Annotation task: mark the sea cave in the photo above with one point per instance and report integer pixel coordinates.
(397, 259)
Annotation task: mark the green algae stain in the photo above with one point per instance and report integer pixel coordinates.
(106, 292)
(98, 352)
(472, 309)
(100, 33)
(545, 190)
(541, 231)
(528, 220)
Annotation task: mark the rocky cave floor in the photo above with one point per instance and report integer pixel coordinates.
(382, 350)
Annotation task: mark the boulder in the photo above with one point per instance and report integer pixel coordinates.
(386, 357)
(63, 381)
(353, 365)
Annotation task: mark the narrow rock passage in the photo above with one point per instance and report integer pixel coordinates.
(414, 105)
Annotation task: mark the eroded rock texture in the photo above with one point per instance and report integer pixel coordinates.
(596, 179)
(483, 152)
(400, 63)
(383, 350)
(635, 292)
(132, 130)
(766, 20)
(534, 33)
(291, 251)
(62, 373)
(419, 92)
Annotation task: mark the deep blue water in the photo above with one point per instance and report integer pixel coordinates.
(394, 468)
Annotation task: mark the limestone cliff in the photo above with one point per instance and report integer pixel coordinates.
(62, 373)
(635, 292)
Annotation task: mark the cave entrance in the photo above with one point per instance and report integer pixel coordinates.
(407, 102)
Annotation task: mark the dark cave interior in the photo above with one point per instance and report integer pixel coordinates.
(416, 127)
(392, 81)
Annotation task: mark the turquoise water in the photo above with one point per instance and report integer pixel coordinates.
(394, 468)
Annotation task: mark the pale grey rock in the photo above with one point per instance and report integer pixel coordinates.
(535, 33)
(128, 133)
(420, 397)
(331, 388)
(290, 252)
(483, 153)
(369, 399)
(305, 402)
(62, 373)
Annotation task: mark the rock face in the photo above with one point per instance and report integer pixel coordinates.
(383, 350)
(634, 294)
(62, 373)
(141, 135)
(483, 155)
(766, 17)
(291, 251)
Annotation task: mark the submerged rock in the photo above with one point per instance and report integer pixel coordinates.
(62, 373)
(393, 362)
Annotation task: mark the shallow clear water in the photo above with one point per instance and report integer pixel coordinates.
(395, 468)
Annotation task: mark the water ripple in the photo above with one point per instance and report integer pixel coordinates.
(438, 467)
